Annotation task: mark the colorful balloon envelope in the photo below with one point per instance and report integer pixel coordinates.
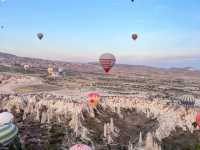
(80, 147)
(187, 101)
(198, 119)
(93, 99)
(8, 133)
(107, 61)
(40, 36)
(134, 36)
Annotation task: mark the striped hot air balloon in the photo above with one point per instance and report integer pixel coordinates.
(107, 61)
(80, 147)
(8, 132)
(187, 101)
(93, 99)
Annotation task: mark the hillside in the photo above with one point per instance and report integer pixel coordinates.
(139, 106)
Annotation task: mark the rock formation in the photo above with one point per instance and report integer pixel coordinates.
(47, 108)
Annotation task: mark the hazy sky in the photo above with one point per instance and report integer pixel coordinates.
(80, 30)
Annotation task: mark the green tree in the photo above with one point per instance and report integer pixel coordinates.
(197, 147)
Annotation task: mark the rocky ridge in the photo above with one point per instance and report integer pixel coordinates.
(47, 108)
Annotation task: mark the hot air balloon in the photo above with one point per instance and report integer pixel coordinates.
(93, 99)
(26, 67)
(40, 36)
(5, 118)
(50, 71)
(60, 69)
(134, 36)
(198, 119)
(187, 101)
(2, 27)
(8, 133)
(107, 61)
(80, 147)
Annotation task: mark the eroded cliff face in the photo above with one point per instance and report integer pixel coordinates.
(117, 121)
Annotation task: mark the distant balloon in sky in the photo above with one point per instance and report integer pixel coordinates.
(40, 36)
(198, 120)
(93, 99)
(107, 61)
(2, 27)
(80, 147)
(134, 36)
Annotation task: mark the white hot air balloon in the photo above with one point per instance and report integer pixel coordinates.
(26, 67)
(5, 118)
(60, 69)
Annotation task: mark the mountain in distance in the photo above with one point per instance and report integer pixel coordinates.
(6, 55)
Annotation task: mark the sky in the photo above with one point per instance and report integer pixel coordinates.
(81, 30)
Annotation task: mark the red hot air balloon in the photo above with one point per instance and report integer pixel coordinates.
(93, 99)
(80, 147)
(107, 61)
(134, 36)
(198, 120)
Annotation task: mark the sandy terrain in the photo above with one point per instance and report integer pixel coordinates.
(16, 81)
